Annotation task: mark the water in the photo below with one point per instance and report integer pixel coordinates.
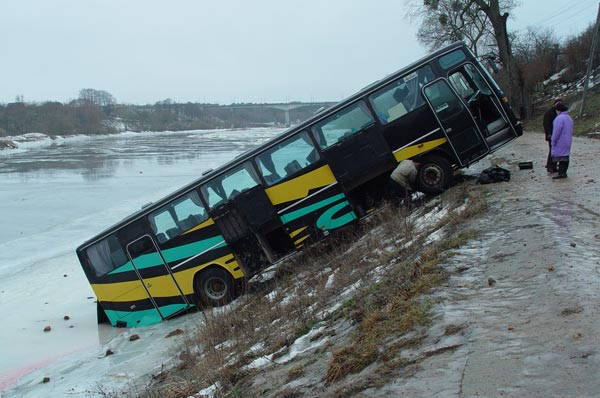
(55, 194)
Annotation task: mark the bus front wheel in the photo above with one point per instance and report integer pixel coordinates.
(214, 287)
(435, 175)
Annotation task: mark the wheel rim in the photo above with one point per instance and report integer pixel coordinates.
(215, 288)
(433, 175)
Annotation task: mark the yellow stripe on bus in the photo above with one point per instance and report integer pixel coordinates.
(160, 286)
(299, 187)
(296, 232)
(297, 242)
(205, 224)
(414, 150)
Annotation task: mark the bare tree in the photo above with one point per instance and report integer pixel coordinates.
(496, 13)
(447, 21)
(536, 51)
(89, 96)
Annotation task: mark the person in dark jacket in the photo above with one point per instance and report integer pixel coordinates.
(562, 136)
(548, 120)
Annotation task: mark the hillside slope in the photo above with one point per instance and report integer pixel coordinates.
(483, 291)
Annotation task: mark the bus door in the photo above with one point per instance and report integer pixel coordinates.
(250, 224)
(245, 216)
(456, 121)
(353, 146)
(156, 277)
(484, 104)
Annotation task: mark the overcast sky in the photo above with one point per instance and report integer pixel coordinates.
(221, 51)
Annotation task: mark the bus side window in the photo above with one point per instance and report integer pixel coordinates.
(106, 255)
(172, 220)
(478, 79)
(461, 85)
(227, 186)
(444, 101)
(189, 211)
(287, 158)
(163, 225)
(342, 124)
(451, 59)
(401, 96)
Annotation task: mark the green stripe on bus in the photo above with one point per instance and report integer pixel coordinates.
(173, 254)
(327, 221)
(144, 317)
(308, 209)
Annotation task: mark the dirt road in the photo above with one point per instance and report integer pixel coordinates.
(526, 297)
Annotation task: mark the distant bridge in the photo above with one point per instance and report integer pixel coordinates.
(283, 106)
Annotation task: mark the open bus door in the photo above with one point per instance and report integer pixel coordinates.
(456, 121)
(250, 224)
(485, 103)
(162, 289)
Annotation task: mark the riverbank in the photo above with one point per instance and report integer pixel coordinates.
(517, 316)
(514, 313)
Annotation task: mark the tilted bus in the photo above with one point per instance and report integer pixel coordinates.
(196, 246)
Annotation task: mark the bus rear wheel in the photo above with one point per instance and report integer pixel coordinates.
(435, 175)
(214, 287)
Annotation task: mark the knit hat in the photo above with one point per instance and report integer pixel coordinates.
(557, 100)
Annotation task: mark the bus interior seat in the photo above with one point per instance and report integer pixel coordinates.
(292, 167)
(172, 232)
(396, 111)
(234, 193)
(383, 116)
(118, 258)
(320, 137)
(496, 126)
(161, 237)
(313, 156)
(272, 178)
(189, 222)
(400, 94)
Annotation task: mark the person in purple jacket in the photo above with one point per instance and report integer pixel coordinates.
(562, 135)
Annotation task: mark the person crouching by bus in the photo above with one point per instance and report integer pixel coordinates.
(402, 181)
(562, 136)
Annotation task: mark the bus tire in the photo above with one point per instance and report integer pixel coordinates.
(214, 287)
(435, 175)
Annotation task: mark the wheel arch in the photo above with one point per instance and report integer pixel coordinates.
(440, 152)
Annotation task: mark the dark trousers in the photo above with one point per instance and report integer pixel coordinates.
(398, 193)
(563, 164)
(550, 163)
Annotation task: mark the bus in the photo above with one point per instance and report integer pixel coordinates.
(197, 246)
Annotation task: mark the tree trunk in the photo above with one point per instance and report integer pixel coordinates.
(517, 92)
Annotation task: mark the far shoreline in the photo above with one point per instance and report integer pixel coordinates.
(15, 141)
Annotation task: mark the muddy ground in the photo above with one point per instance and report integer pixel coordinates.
(526, 296)
(519, 314)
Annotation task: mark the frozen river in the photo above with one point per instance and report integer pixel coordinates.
(55, 194)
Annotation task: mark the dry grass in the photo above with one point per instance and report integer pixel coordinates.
(378, 273)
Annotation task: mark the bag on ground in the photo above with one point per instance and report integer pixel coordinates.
(493, 174)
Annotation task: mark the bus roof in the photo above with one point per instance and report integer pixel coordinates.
(208, 175)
